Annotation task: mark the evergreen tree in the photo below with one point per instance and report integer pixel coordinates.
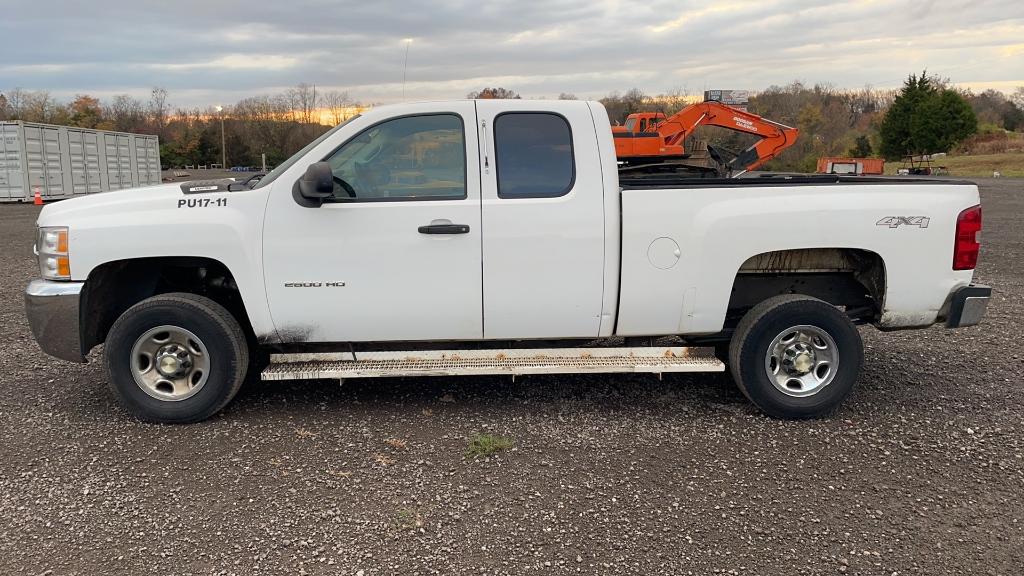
(925, 118)
(861, 147)
(943, 120)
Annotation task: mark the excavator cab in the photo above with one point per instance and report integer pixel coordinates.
(642, 122)
(639, 137)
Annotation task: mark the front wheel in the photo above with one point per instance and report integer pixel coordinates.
(796, 357)
(176, 358)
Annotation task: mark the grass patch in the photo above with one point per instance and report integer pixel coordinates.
(487, 444)
(1009, 164)
(396, 443)
(407, 518)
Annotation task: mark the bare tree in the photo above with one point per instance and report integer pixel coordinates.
(1018, 97)
(495, 93)
(126, 113)
(621, 105)
(672, 101)
(37, 106)
(15, 103)
(303, 102)
(567, 96)
(158, 109)
(339, 105)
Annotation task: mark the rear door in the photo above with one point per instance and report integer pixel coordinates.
(543, 220)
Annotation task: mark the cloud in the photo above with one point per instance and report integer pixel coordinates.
(219, 51)
(271, 62)
(691, 15)
(31, 69)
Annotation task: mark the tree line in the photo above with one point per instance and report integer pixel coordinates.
(926, 115)
(276, 125)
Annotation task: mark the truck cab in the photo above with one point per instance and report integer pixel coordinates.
(427, 213)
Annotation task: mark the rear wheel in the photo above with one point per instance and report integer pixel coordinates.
(796, 357)
(176, 358)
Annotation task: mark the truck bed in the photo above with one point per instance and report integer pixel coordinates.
(683, 251)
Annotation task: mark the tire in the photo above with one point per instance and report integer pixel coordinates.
(816, 355)
(210, 357)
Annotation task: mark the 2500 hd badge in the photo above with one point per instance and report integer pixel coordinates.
(314, 284)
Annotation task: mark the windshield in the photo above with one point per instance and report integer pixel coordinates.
(630, 124)
(284, 166)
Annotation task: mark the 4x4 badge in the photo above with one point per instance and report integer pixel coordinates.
(897, 221)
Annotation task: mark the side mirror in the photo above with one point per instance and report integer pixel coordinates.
(314, 186)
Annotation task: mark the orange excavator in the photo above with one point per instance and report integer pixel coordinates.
(651, 142)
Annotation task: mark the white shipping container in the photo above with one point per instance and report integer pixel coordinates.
(64, 161)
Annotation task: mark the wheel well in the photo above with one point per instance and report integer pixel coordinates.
(850, 278)
(113, 287)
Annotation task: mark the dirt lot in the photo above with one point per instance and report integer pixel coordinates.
(921, 473)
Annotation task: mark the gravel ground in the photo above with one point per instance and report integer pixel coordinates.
(922, 472)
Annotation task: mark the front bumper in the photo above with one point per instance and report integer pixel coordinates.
(53, 313)
(968, 306)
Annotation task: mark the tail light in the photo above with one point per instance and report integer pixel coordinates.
(966, 245)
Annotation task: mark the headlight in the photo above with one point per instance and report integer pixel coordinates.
(52, 251)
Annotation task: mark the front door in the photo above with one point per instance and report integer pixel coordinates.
(396, 253)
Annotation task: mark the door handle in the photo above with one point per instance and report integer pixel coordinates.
(444, 229)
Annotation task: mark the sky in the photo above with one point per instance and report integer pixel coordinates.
(214, 52)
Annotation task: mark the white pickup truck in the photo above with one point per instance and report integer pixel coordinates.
(495, 237)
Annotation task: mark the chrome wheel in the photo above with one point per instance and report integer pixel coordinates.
(801, 360)
(170, 363)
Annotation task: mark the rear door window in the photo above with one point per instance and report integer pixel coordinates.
(533, 155)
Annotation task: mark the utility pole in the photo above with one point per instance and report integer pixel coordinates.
(223, 146)
(223, 141)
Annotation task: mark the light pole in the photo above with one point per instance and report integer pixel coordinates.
(223, 148)
(405, 64)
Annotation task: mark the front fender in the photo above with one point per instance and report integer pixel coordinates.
(162, 221)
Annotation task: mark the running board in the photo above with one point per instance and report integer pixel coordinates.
(341, 365)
